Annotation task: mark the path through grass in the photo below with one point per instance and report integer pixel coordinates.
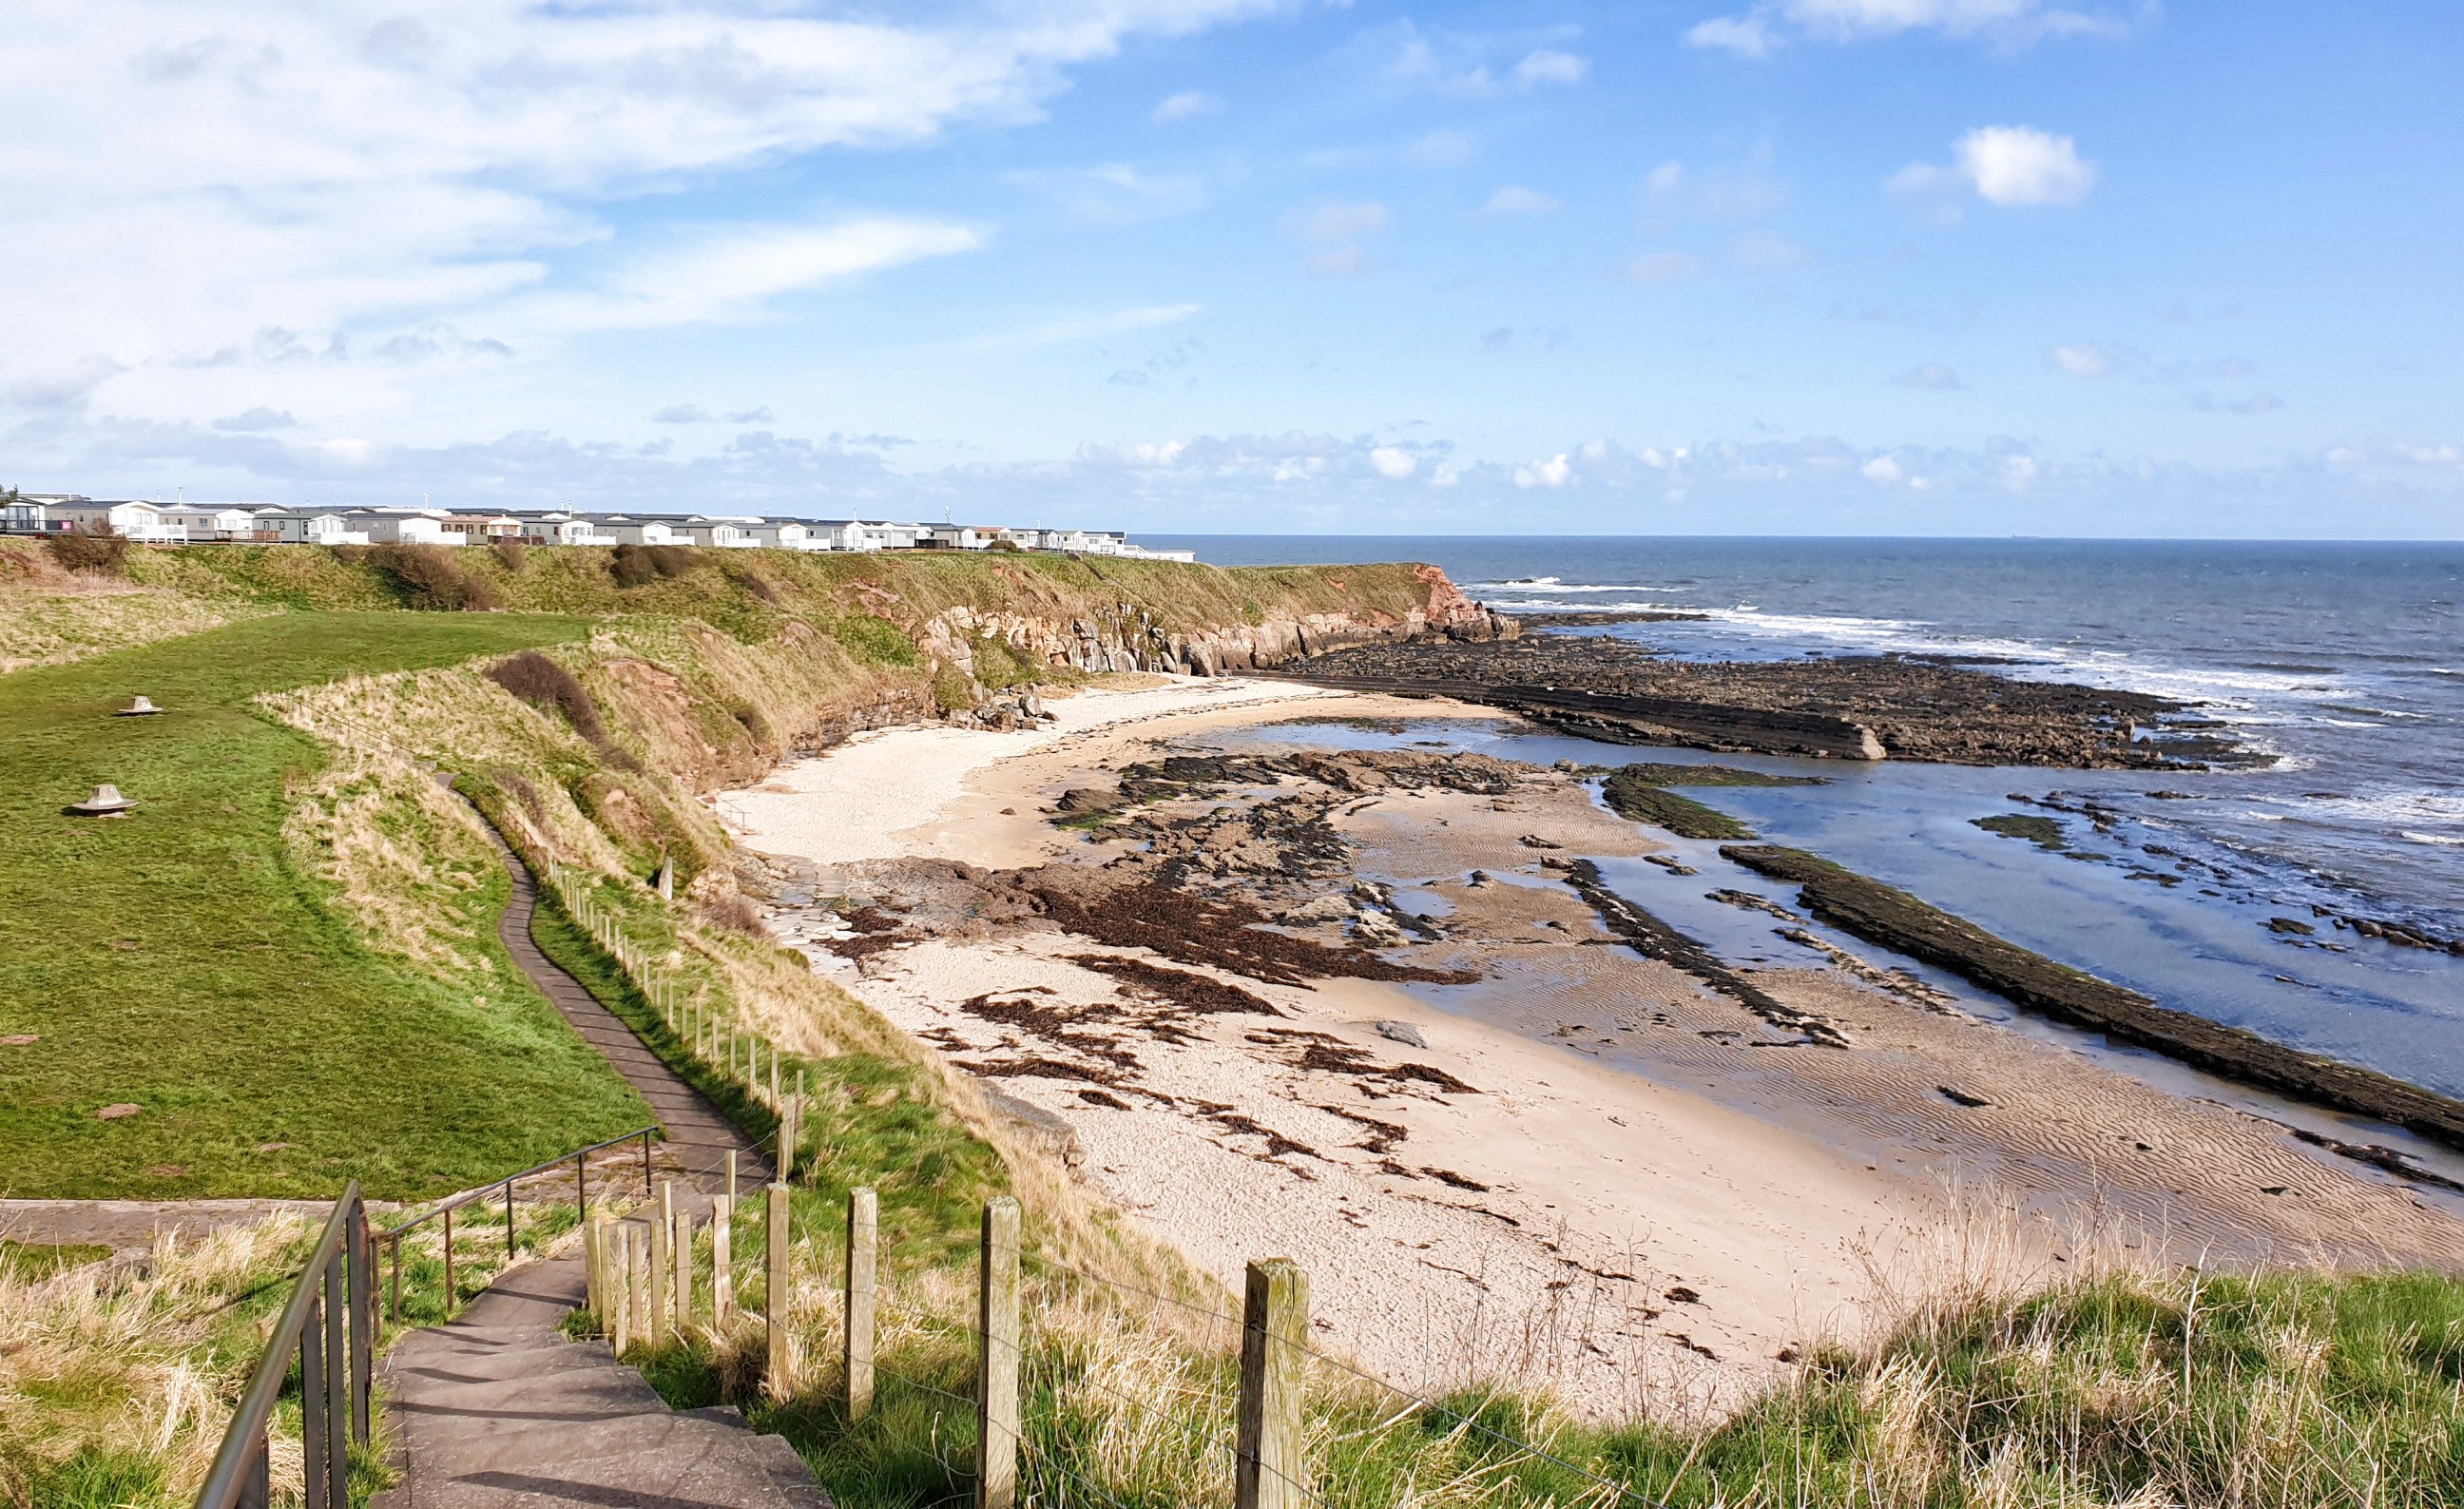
(178, 959)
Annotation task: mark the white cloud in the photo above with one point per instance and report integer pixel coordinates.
(1137, 455)
(181, 176)
(682, 414)
(1187, 106)
(1440, 149)
(2016, 164)
(1513, 200)
(1765, 251)
(258, 420)
(1461, 64)
(1739, 190)
(1333, 230)
(2008, 25)
(1748, 36)
(1882, 469)
(1556, 471)
(1931, 378)
(2006, 165)
(1662, 267)
(62, 387)
(1343, 220)
(1393, 464)
(728, 273)
(1546, 66)
(1301, 481)
(1117, 193)
(2090, 361)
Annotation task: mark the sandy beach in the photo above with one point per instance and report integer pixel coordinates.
(1547, 1156)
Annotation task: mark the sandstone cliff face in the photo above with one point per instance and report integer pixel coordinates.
(1127, 638)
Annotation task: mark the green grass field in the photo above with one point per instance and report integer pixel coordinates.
(179, 961)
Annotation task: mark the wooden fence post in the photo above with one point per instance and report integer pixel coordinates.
(628, 1287)
(863, 1233)
(773, 1297)
(1267, 1471)
(594, 1287)
(611, 1276)
(722, 1260)
(997, 1422)
(682, 1242)
(661, 1220)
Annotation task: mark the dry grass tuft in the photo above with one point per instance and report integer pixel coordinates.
(140, 1367)
(50, 618)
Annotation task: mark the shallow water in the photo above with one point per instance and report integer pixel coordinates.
(2201, 945)
(2346, 660)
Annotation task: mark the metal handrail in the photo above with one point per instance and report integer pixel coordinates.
(334, 1378)
(579, 1159)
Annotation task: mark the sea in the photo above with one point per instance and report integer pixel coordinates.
(2343, 662)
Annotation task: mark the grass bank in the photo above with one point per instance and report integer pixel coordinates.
(2282, 1390)
(749, 594)
(189, 960)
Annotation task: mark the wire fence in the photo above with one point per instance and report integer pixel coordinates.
(720, 1045)
(1133, 1397)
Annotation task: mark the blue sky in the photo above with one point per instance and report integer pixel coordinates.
(1817, 266)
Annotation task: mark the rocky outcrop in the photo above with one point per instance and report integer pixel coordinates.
(1893, 919)
(1128, 638)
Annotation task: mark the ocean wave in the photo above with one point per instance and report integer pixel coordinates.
(1550, 605)
(2255, 692)
(2444, 840)
(1553, 585)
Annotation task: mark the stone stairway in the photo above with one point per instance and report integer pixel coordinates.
(497, 1410)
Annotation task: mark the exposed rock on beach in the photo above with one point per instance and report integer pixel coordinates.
(1845, 707)
(1382, 1011)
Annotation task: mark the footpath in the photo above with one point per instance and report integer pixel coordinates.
(498, 1410)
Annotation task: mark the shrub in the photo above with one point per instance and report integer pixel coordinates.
(637, 564)
(98, 548)
(732, 911)
(541, 682)
(754, 582)
(428, 577)
(510, 551)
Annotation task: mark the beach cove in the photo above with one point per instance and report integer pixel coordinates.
(1535, 1154)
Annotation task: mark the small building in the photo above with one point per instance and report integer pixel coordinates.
(633, 529)
(405, 526)
(783, 534)
(141, 521)
(958, 537)
(555, 526)
(841, 534)
(314, 526)
(232, 524)
(475, 528)
(39, 513)
(737, 532)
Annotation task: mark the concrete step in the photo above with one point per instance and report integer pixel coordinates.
(500, 1410)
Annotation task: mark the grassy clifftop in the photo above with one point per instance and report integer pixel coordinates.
(286, 957)
(749, 591)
